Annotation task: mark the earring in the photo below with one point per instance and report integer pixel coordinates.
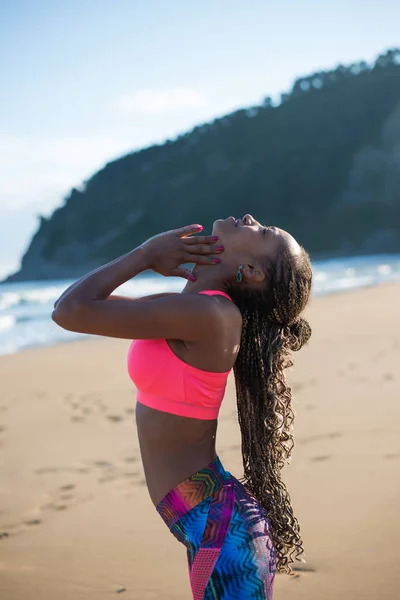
(239, 275)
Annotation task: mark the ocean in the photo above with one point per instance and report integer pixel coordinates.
(26, 307)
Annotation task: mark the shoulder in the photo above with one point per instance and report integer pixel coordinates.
(185, 316)
(225, 311)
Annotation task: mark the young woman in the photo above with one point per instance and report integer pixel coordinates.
(240, 310)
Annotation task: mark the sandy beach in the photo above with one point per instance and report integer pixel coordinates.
(76, 521)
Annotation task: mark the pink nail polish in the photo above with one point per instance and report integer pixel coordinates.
(216, 260)
(192, 277)
(220, 248)
(214, 238)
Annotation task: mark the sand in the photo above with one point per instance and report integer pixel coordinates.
(76, 521)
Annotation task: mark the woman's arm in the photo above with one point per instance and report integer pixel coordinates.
(73, 285)
(84, 306)
(96, 284)
(142, 298)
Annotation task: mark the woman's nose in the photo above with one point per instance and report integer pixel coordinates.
(248, 219)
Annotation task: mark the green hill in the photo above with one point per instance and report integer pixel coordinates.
(324, 164)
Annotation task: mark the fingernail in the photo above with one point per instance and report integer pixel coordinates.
(214, 238)
(216, 260)
(220, 248)
(198, 227)
(192, 277)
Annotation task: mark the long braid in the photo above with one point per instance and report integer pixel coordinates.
(271, 329)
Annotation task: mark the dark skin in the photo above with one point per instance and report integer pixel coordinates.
(203, 331)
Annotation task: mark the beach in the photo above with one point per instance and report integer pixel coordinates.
(76, 521)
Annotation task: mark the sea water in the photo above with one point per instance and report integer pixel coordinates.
(26, 307)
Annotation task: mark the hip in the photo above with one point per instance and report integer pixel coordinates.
(226, 533)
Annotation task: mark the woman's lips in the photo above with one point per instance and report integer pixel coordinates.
(234, 220)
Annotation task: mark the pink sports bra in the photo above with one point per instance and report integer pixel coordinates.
(167, 383)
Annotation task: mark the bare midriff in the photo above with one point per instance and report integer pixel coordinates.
(172, 448)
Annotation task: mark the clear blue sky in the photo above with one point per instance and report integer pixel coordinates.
(83, 81)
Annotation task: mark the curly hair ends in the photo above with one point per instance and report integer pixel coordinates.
(272, 328)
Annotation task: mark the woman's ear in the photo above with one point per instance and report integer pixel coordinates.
(253, 274)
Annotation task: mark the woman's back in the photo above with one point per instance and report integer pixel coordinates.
(173, 446)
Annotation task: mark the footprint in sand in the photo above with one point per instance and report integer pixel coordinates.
(388, 377)
(107, 470)
(45, 470)
(297, 386)
(131, 459)
(321, 458)
(318, 437)
(77, 419)
(391, 456)
(301, 570)
(34, 522)
(17, 528)
(110, 472)
(64, 497)
(130, 474)
(104, 464)
(114, 418)
(68, 487)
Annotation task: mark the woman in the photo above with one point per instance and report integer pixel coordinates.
(240, 311)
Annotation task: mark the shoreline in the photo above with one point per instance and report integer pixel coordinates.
(87, 337)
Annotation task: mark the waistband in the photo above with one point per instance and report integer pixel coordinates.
(189, 493)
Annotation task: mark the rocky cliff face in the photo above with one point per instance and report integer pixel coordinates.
(324, 164)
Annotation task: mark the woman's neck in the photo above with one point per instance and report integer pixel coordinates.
(205, 280)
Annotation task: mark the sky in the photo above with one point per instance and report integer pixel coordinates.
(85, 81)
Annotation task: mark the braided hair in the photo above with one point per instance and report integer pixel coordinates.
(272, 328)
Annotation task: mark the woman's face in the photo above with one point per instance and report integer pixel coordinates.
(246, 240)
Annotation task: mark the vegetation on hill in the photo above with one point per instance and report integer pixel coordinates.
(324, 164)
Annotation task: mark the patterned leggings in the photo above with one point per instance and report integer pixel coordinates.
(226, 534)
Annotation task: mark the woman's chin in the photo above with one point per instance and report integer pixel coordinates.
(222, 225)
(216, 228)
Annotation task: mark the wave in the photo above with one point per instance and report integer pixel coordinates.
(26, 307)
(6, 322)
(10, 299)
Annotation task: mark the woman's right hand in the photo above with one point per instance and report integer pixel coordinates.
(166, 251)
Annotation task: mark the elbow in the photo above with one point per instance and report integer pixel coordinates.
(62, 318)
(57, 316)
(67, 316)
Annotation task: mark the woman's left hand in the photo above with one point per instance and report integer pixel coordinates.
(166, 251)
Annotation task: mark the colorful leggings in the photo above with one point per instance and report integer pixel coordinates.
(226, 534)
